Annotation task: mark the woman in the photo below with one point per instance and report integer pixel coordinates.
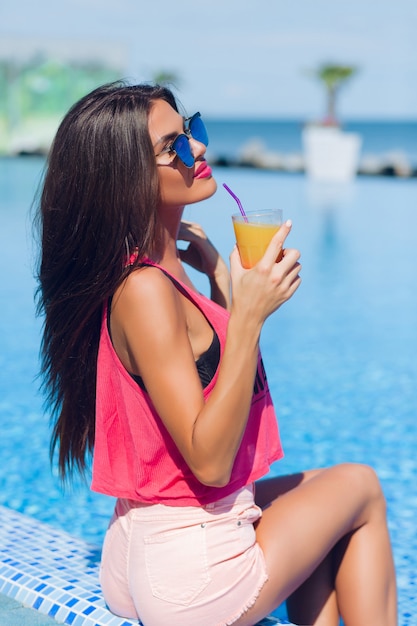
(167, 387)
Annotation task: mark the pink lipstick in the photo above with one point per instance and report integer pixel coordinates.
(203, 170)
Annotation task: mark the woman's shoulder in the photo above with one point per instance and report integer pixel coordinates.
(146, 292)
(147, 281)
(146, 318)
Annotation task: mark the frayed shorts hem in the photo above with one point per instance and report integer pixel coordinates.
(247, 606)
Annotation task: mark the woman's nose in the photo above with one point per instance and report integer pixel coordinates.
(197, 148)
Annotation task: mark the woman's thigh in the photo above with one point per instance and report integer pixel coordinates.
(268, 489)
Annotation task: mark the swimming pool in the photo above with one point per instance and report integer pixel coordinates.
(341, 356)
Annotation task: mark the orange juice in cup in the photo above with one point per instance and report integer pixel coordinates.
(253, 233)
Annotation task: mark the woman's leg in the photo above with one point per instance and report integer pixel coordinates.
(315, 600)
(333, 518)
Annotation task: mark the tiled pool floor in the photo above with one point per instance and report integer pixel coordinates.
(48, 570)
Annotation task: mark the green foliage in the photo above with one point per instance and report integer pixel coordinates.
(35, 94)
(166, 78)
(332, 77)
(43, 89)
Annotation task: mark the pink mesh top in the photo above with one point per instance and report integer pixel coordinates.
(134, 455)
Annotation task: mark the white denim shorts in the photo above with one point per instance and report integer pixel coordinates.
(183, 565)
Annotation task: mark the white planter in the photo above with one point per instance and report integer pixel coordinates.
(331, 154)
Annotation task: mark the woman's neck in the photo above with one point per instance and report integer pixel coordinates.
(167, 253)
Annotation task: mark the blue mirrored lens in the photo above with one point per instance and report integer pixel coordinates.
(198, 130)
(181, 147)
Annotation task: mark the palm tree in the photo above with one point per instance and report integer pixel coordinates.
(333, 77)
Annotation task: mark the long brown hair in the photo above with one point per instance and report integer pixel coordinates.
(98, 203)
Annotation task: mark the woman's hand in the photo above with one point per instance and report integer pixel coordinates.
(201, 255)
(200, 252)
(261, 290)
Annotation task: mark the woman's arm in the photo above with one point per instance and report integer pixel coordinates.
(153, 341)
(203, 257)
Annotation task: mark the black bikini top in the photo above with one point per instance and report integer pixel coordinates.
(206, 364)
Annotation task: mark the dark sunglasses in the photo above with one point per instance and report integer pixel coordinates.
(181, 144)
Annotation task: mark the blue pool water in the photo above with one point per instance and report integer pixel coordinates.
(340, 356)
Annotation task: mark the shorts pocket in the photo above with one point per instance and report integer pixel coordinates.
(176, 564)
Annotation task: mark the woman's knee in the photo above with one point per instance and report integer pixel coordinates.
(364, 480)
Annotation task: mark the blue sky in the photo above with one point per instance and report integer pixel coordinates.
(235, 57)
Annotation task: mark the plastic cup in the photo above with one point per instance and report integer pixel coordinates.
(253, 233)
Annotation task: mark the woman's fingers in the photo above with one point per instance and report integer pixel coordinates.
(189, 231)
(276, 245)
(266, 286)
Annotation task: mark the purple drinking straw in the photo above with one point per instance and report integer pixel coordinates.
(239, 204)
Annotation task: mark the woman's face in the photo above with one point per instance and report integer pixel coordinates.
(179, 184)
